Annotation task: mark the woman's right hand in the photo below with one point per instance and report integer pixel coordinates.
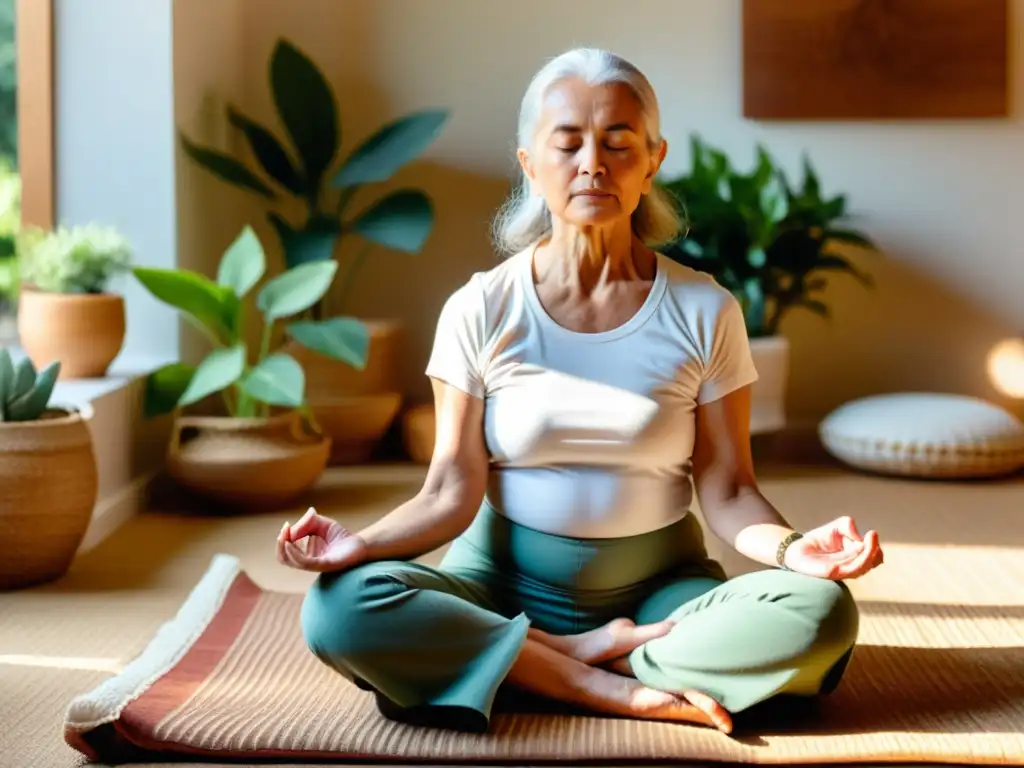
(328, 546)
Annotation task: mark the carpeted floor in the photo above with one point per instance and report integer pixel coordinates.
(63, 639)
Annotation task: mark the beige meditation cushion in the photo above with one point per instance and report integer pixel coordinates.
(925, 435)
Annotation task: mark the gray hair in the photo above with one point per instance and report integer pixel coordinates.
(524, 218)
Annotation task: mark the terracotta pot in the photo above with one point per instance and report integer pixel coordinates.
(356, 424)
(85, 331)
(246, 464)
(355, 408)
(768, 395)
(329, 378)
(48, 487)
(419, 428)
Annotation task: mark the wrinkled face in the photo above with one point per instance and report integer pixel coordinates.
(590, 158)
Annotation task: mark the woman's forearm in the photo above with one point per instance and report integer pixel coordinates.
(420, 525)
(749, 523)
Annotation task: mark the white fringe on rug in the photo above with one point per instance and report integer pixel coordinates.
(105, 703)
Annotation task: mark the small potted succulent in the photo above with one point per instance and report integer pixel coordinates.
(48, 475)
(66, 310)
(773, 244)
(267, 447)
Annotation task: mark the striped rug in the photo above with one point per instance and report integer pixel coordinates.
(229, 677)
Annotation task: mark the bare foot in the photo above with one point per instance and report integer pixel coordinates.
(630, 698)
(612, 641)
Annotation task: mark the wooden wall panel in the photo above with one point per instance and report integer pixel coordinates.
(875, 59)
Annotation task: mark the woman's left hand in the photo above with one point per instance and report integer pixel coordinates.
(835, 551)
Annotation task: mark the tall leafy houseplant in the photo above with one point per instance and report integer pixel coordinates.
(262, 452)
(306, 107)
(250, 381)
(770, 243)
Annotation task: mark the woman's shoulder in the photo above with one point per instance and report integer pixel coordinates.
(692, 288)
(484, 291)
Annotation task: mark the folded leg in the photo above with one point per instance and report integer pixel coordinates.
(747, 639)
(429, 643)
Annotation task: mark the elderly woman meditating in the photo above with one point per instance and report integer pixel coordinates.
(585, 387)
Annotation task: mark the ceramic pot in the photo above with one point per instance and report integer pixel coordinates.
(48, 488)
(247, 464)
(768, 395)
(85, 331)
(355, 408)
(356, 424)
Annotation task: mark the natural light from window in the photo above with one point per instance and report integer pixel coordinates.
(10, 183)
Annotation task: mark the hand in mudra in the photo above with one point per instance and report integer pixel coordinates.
(835, 551)
(317, 543)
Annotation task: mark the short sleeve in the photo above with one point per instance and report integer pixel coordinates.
(458, 341)
(729, 363)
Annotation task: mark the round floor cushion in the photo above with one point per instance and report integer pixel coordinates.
(925, 435)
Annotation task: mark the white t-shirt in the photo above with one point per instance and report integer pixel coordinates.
(591, 434)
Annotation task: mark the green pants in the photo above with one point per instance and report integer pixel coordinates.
(435, 644)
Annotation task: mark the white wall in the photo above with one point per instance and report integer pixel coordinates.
(941, 197)
(114, 144)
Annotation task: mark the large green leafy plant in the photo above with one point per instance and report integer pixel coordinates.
(24, 391)
(770, 243)
(250, 381)
(306, 107)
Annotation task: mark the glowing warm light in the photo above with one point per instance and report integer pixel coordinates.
(1006, 367)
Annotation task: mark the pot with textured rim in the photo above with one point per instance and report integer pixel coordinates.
(247, 464)
(48, 488)
(85, 331)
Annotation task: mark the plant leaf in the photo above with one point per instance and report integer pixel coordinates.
(32, 403)
(296, 290)
(243, 264)
(268, 150)
(842, 265)
(24, 375)
(226, 168)
(219, 369)
(756, 257)
(392, 146)
(315, 242)
(849, 237)
(305, 104)
(339, 338)
(277, 380)
(165, 387)
(401, 220)
(6, 378)
(210, 305)
(817, 307)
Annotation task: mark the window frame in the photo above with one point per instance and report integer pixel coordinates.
(35, 104)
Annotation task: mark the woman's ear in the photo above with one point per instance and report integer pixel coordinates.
(524, 162)
(657, 158)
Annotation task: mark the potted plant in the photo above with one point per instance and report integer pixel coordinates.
(769, 243)
(356, 407)
(267, 448)
(48, 475)
(66, 311)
